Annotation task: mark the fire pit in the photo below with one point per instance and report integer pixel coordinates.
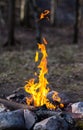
(21, 116)
(43, 109)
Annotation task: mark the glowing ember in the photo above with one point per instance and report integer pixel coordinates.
(38, 90)
(56, 97)
(44, 14)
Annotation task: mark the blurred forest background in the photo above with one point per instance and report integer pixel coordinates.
(21, 30)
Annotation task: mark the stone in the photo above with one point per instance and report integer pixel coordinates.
(52, 123)
(2, 107)
(12, 120)
(77, 107)
(30, 119)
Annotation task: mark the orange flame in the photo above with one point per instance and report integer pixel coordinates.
(44, 14)
(56, 97)
(39, 90)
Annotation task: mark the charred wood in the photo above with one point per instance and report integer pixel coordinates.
(42, 114)
(14, 106)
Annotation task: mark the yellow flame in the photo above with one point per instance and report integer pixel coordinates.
(37, 56)
(39, 90)
(44, 14)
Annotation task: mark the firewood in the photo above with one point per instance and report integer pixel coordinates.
(14, 106)
(48, 113)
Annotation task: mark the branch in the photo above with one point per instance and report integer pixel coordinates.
(14, 106)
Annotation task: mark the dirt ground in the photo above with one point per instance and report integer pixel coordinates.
(65, 62)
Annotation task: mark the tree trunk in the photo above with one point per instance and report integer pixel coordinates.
(22, 4)
(11, 22)
(25, 12)
(53, 12)
(37, 24)
(77, 21)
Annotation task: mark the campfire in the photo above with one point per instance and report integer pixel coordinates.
(39, 90)
(42, 109)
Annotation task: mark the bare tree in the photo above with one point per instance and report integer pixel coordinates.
(22, 4)
(31, 14)
(11, 22)
(53, 12)
(27, 11)
(77, 21)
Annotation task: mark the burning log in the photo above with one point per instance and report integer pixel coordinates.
(63, 98)
(14, 106)
(39, 111)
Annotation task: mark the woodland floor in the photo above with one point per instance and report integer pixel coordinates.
(65, 62)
